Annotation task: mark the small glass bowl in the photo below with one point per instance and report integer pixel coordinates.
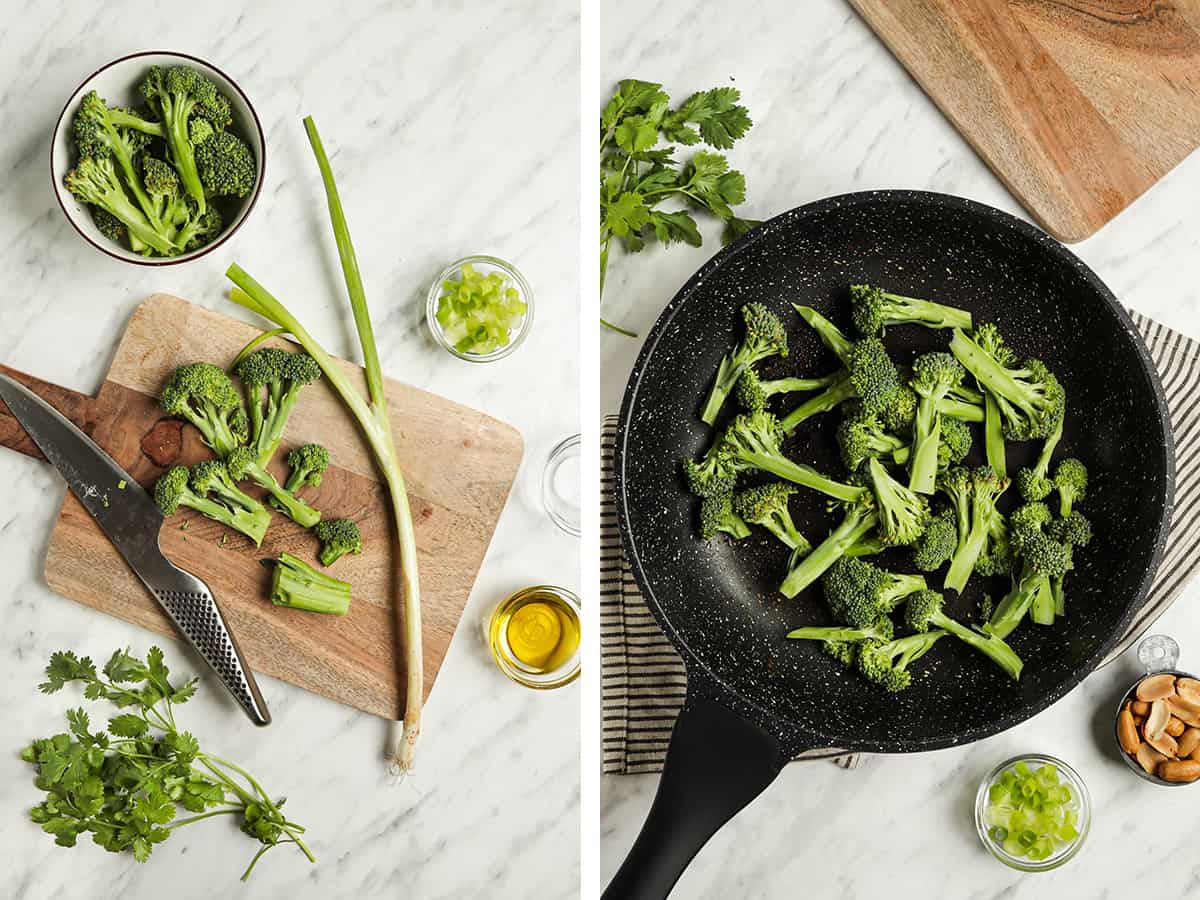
(494, 633)
(560, 499)
(1083, 807)
(483, 264)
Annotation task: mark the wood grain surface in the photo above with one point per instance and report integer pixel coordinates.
(1079, 106)
(459, 463)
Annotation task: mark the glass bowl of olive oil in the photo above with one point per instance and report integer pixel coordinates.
(534, 636)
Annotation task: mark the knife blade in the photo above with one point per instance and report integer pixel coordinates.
(131, 519)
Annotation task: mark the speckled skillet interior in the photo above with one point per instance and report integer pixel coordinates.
(718, 601)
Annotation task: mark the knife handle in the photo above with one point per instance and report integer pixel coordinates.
(195, 613)
(79, 408)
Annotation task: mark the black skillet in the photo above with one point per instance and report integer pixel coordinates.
(756, 699)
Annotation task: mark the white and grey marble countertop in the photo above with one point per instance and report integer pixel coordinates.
(835, 112)
(453, 130)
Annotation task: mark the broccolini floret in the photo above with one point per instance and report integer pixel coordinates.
(934, 375)
(229, 505)
(753, 392)
(902, 512)
(874, 309)
(765, 337)
(243, 464)
(862, 437)
(95, 181)
(717, 516)
(225, 165)
(1029, 398)
(886, 663)
(859, 519)
(204, 395)
(308, 463)
(338, 537)
(923, 611)
(273, 379)
(985, 489)
(938, 543)
(1070, 480)
(859, 593)
(715, 473)
(767, 505)
(1034, 482)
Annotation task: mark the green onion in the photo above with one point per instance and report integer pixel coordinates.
(478, 313)
(1032, 814)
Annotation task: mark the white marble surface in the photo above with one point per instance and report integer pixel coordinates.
(452, 130)
(835, 113)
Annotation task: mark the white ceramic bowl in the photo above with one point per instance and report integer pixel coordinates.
(117, 83)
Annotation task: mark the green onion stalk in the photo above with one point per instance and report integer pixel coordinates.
(372, 415)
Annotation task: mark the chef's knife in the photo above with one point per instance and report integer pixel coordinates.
(132, 520)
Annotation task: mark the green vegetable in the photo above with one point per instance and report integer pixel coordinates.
(717, 517)
(874, 309)
(225, 165)
(209, 489)
(125, 784)
(273, 380)
(1032, 813)
(765, 337)
(886, 663)
(1029, 397)
(244, 465)
(297, 585)
(637, 175)
(203, 394)
(923, 611)
(371, 413)
(858, 592)
(903, 513)
(984, 488)
(478, 313)
(753, 392)
(934, 376)
(938, 543)
(859, 519)
(767, 505)
(308, 463)
(1070, 480)
(338, 537)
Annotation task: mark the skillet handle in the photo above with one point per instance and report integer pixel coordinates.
(717, 762)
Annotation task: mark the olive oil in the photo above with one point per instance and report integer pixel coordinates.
(534, 636)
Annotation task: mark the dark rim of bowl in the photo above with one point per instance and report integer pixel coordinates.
(1125, 757)
(207, 248)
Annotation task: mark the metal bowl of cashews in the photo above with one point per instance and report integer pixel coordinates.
(1158, 728)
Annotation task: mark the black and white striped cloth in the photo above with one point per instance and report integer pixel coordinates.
(643, 680)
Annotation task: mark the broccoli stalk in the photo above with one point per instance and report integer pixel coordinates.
(1033, 483)
(837, 393)
(753, 393)
(886, 663)
(203, 394)
(860, 518)
(924, 611)
(274, 379)
(870, 545)
(95, 180)
(1029, 398)
(717, 517)
(879, 630)
(309, 463)
(985, 489)
(1070, 480)
(229, 505)
(934, 375)
(176, 94)
(244, 465)
(902, 512)
(765, 337)
(297, 585)
(963, 410)
(338, 537)
(767, 505)
(753, 440)
(874, 309)
(831, 336)
(372, 416)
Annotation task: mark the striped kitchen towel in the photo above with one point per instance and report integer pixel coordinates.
(643, 679)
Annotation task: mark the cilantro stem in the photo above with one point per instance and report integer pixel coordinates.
(253, 862)
(617, 328)
(208, 815)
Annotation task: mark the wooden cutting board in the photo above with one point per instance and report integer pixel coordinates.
(459, 465)
(1079, 106)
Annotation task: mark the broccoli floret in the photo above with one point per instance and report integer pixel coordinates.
(874, 309)
(859, 593)
(985, 489)
(753, 441)
(767, 505)
(109, 225)
(200, 130)
(203, 394)
(244, 465)
(308, 463)
(1075, 530)
(1070, 480)
(338, 537)
(118, 135)
(273, 379)
(1042, 559)
(874, 376)
(717, 516)
(996, 558)
(938, 543)
(765, 337)
(1029, 398)
(924, 611)
(298, 585)
(1028, 521)
(229, 505)
(859, 519)
(903, 513)
(753, 392)
(226, 165)
(831, 336)
(955, 483)
(95, 181)
(845, 652)
(176, 95)
(886, 664)
(900, 410)
(934, 374)
(714, 474)
(879, 630)
(1034, 482)
(955, 444)
(198, 228)
(862, 437)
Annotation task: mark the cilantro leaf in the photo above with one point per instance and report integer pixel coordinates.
(675, 227)
(636, 134)
(122, 667)
(735, 228)
(717, 113)
(65, 667)
(127, 725)
(627, 214)
(78, 720)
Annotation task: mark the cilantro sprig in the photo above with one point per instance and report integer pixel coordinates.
(637, 175)
(126, 783)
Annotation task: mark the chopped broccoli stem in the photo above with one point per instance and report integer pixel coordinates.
(860, 518)
(993, 437)
(765, 337)
(870, 545)
(961, 409)
(297, 585)
(875, 309)
(880, 630)
(831, 336)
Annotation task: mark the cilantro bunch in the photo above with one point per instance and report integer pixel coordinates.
(125, 784)
(637, 175)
